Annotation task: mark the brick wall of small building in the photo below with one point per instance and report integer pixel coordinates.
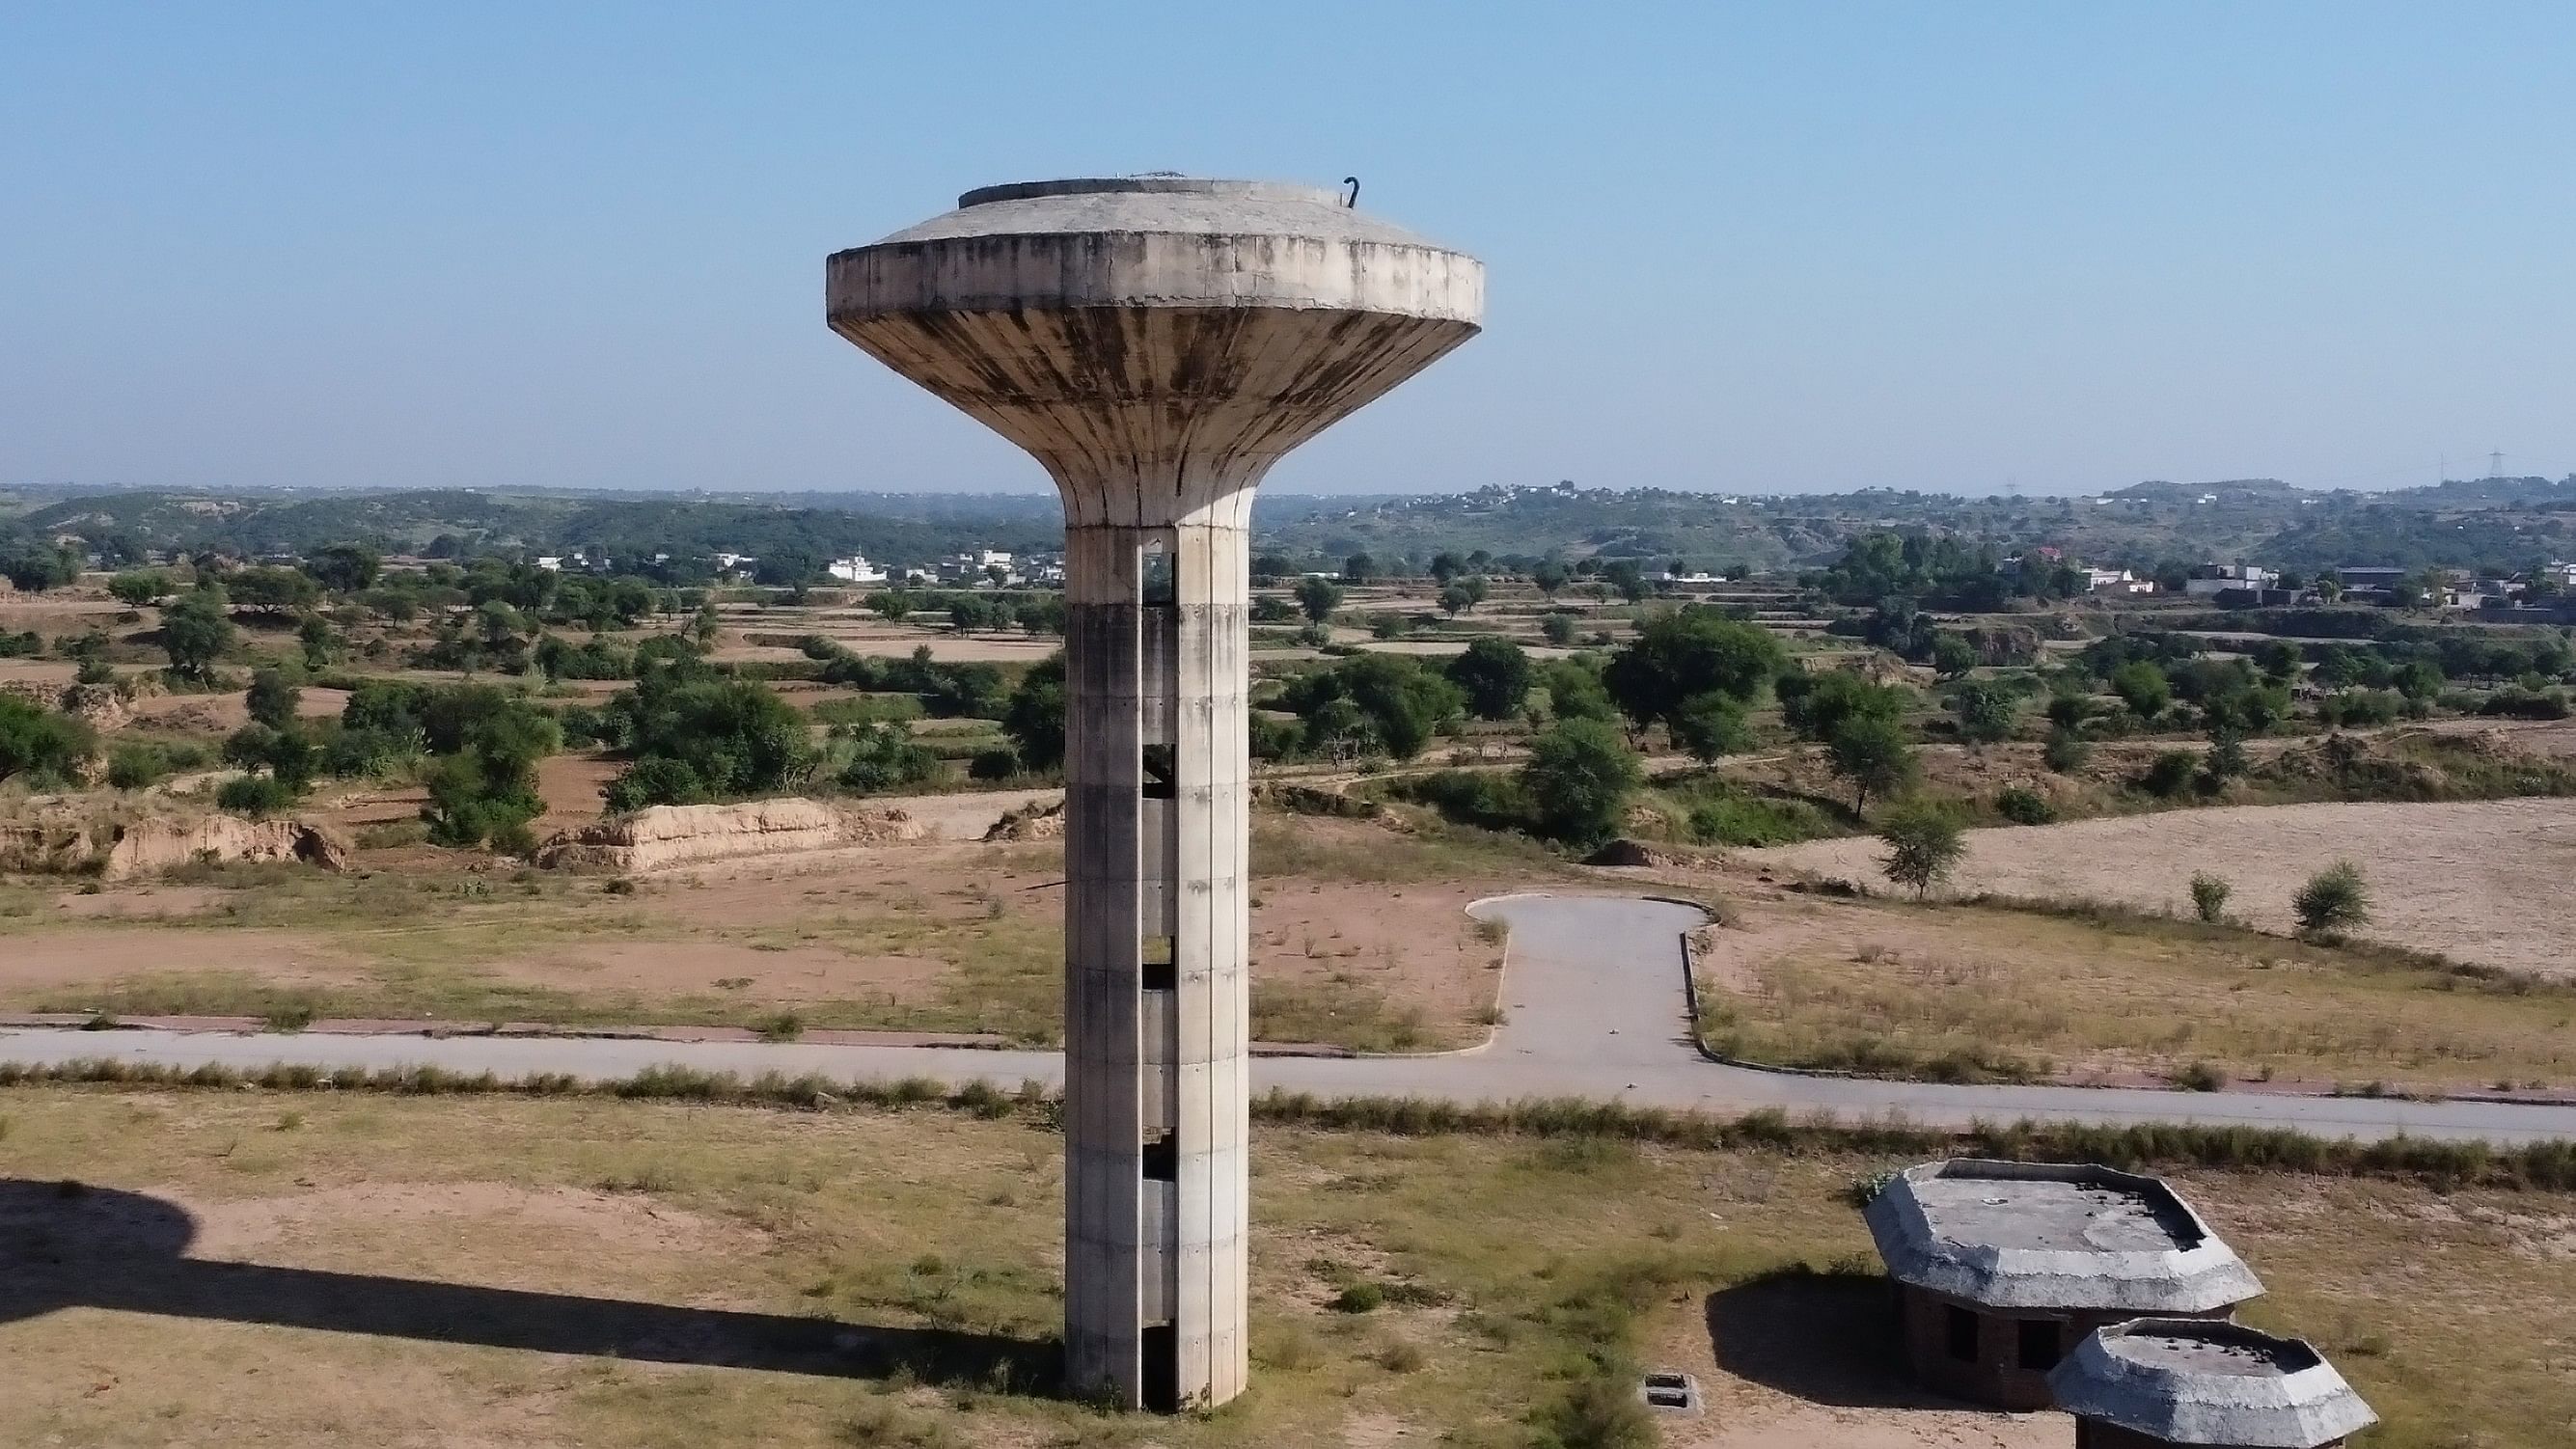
(1995, 1377)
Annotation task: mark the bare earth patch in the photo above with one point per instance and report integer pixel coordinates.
(2476, 882)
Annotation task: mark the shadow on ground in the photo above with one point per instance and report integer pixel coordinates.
(67, 1244)
(1829, 1338)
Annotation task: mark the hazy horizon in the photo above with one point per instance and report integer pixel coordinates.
(1770, 252)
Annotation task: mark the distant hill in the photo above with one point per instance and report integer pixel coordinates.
(2232, 490)
(2484, 493)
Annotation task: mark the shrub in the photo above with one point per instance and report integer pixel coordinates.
(996, 764)
(1720, 814)
(2520, 703)
(2200, 1077)
(884, 757)
(256, 795)
(2169, 774)
(2209, 897)
(1363, 1297)
(2024, 806)
(2065, 752)
(2334, 900)
(133, 766)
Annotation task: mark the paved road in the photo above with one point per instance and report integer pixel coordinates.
(1596, 1006)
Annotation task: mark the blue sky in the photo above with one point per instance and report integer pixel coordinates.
(1784, 247)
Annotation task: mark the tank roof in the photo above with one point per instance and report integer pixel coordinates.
(1156, 205)
(2053, 1236)
(2208, 1381)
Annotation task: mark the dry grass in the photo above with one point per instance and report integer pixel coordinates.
(2461, 879)
(1502, 1267)
(1909, 991)
(938, 937)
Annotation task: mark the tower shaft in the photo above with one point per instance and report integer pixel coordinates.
(1157, 1003)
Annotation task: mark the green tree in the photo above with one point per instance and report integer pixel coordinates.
(1952, 656)
(1574, 690)
(1579, 778)
(196, 630)
(1550, 577)
(2420, 679)
(1690, 652)
(2143, 688)
(1629, 579)
(40, 743)
(1456, 598)
(1494, 674)
(1923, 842)
(2068, 711)
(1816, 705)
(1988, 712)
(1034, 719)
(37, 567)
(320, 642)
(1404, 703)
(1556, 628)
(738, 736)
(486, 792)
(344, 568)
(272, 698)
(1710, 726)
(2209, 897)
(1874, 756)
(889, 604)
(272, 590)
(1359, 568)
(1319, 597)
(138, 588)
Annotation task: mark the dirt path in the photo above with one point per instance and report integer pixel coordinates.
(2481, 881)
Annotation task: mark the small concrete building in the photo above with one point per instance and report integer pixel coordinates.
(2159, 1382)
(2002, 1268)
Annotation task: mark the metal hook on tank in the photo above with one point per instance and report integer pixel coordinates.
(1352, 201)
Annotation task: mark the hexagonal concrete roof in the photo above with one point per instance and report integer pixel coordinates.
(2023, 1235)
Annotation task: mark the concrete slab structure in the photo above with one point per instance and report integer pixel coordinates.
(1157, 343)
(2003, 1267)
(2155, 1383)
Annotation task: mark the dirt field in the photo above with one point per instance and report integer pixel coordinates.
(1901, 990)
(944, 936)
(2472, 881)
(303, 1270)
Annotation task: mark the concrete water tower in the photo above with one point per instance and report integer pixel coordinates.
(1156, 343)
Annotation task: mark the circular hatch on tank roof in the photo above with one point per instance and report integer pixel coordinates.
(1151, 184)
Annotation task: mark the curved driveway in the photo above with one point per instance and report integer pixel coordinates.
(1596, 1008)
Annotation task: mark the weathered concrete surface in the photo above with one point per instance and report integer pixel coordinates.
(2158, 1381)
(1156, 344)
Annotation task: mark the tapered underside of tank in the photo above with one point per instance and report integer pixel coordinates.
(1155, 343)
